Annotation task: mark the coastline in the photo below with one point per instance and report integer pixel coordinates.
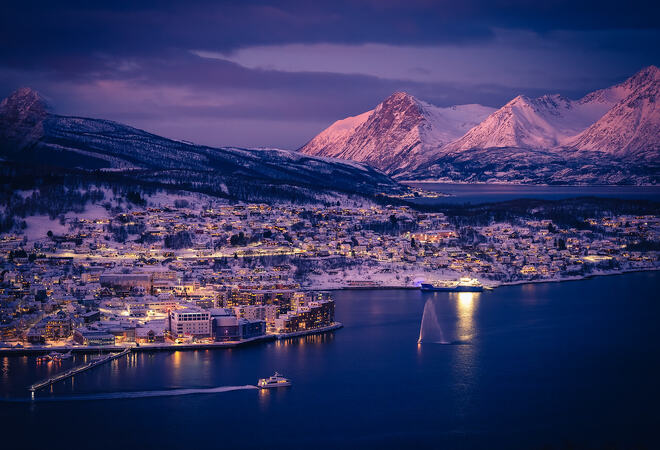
(505, 183)
(32, 350)
(166, 346)
(494, 285)
(585, 277)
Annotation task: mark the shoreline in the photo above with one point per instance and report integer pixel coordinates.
(505, 183)
(585, 277)
(12, 351)
(494, 286)
(166, 346)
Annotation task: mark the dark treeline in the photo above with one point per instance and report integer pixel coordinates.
(178, 240)
(567, 213)
(58, 191)
(15, 177)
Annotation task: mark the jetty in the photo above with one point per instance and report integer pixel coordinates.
(76, 370)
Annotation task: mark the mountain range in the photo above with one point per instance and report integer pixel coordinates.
(31, 135)
(610, 136)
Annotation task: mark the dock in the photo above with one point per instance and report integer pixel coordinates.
(76, 370)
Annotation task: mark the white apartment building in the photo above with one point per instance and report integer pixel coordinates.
(190, 322)
(267, 313)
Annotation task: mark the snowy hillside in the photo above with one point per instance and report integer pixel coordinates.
(31, 135)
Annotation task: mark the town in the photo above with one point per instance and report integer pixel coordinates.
(190, 270)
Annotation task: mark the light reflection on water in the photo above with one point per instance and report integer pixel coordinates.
(466, 306)
(464, 354)
(5, 367)
(369, 381)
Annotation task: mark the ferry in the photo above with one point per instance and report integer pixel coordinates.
(275, 381)
(465, 284)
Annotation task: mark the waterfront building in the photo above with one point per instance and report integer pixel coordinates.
(267, 313)
(93, 337)
(190, 322)
(228, 327)
(151, 333)
(36, 336)
(8, 333)
(315, 315)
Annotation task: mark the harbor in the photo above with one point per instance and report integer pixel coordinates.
(76, 370)
(165, 346)
(345, 370)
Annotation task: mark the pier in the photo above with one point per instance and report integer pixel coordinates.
(76, 370)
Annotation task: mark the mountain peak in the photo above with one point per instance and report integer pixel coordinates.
(400, 132)
(21, 118)
(398, 96)
(400, 101)
(23, 102)
(648, 73)
(647, 76)
(632, 126)
(519, 99)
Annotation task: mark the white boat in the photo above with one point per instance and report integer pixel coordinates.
(275, 381)
(67, 355)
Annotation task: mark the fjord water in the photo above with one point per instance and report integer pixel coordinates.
(486, 193)
(553, 365)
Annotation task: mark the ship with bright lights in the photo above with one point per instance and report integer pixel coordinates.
(276, 381)
(465, 284)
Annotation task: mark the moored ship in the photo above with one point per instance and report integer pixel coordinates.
(465, 284)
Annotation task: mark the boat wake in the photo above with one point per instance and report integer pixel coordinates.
(455, 343)
(137, 394)
(459, 342)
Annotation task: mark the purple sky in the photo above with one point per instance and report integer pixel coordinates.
(267, 73)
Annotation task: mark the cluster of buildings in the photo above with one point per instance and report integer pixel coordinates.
(213, 272)
(114, 308)
(71, 301)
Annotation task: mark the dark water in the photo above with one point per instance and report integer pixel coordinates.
(558, 365)
(485, 193)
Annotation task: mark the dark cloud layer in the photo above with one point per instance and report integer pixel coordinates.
(134, 62)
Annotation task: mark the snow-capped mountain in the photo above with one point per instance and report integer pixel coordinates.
(553, 121)
(31, 135)
(632, 126)
(596, 138)
(397, 133)
(538, 123)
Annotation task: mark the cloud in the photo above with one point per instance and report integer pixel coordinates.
(276, 72)
(34, 28)
(514, 58)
